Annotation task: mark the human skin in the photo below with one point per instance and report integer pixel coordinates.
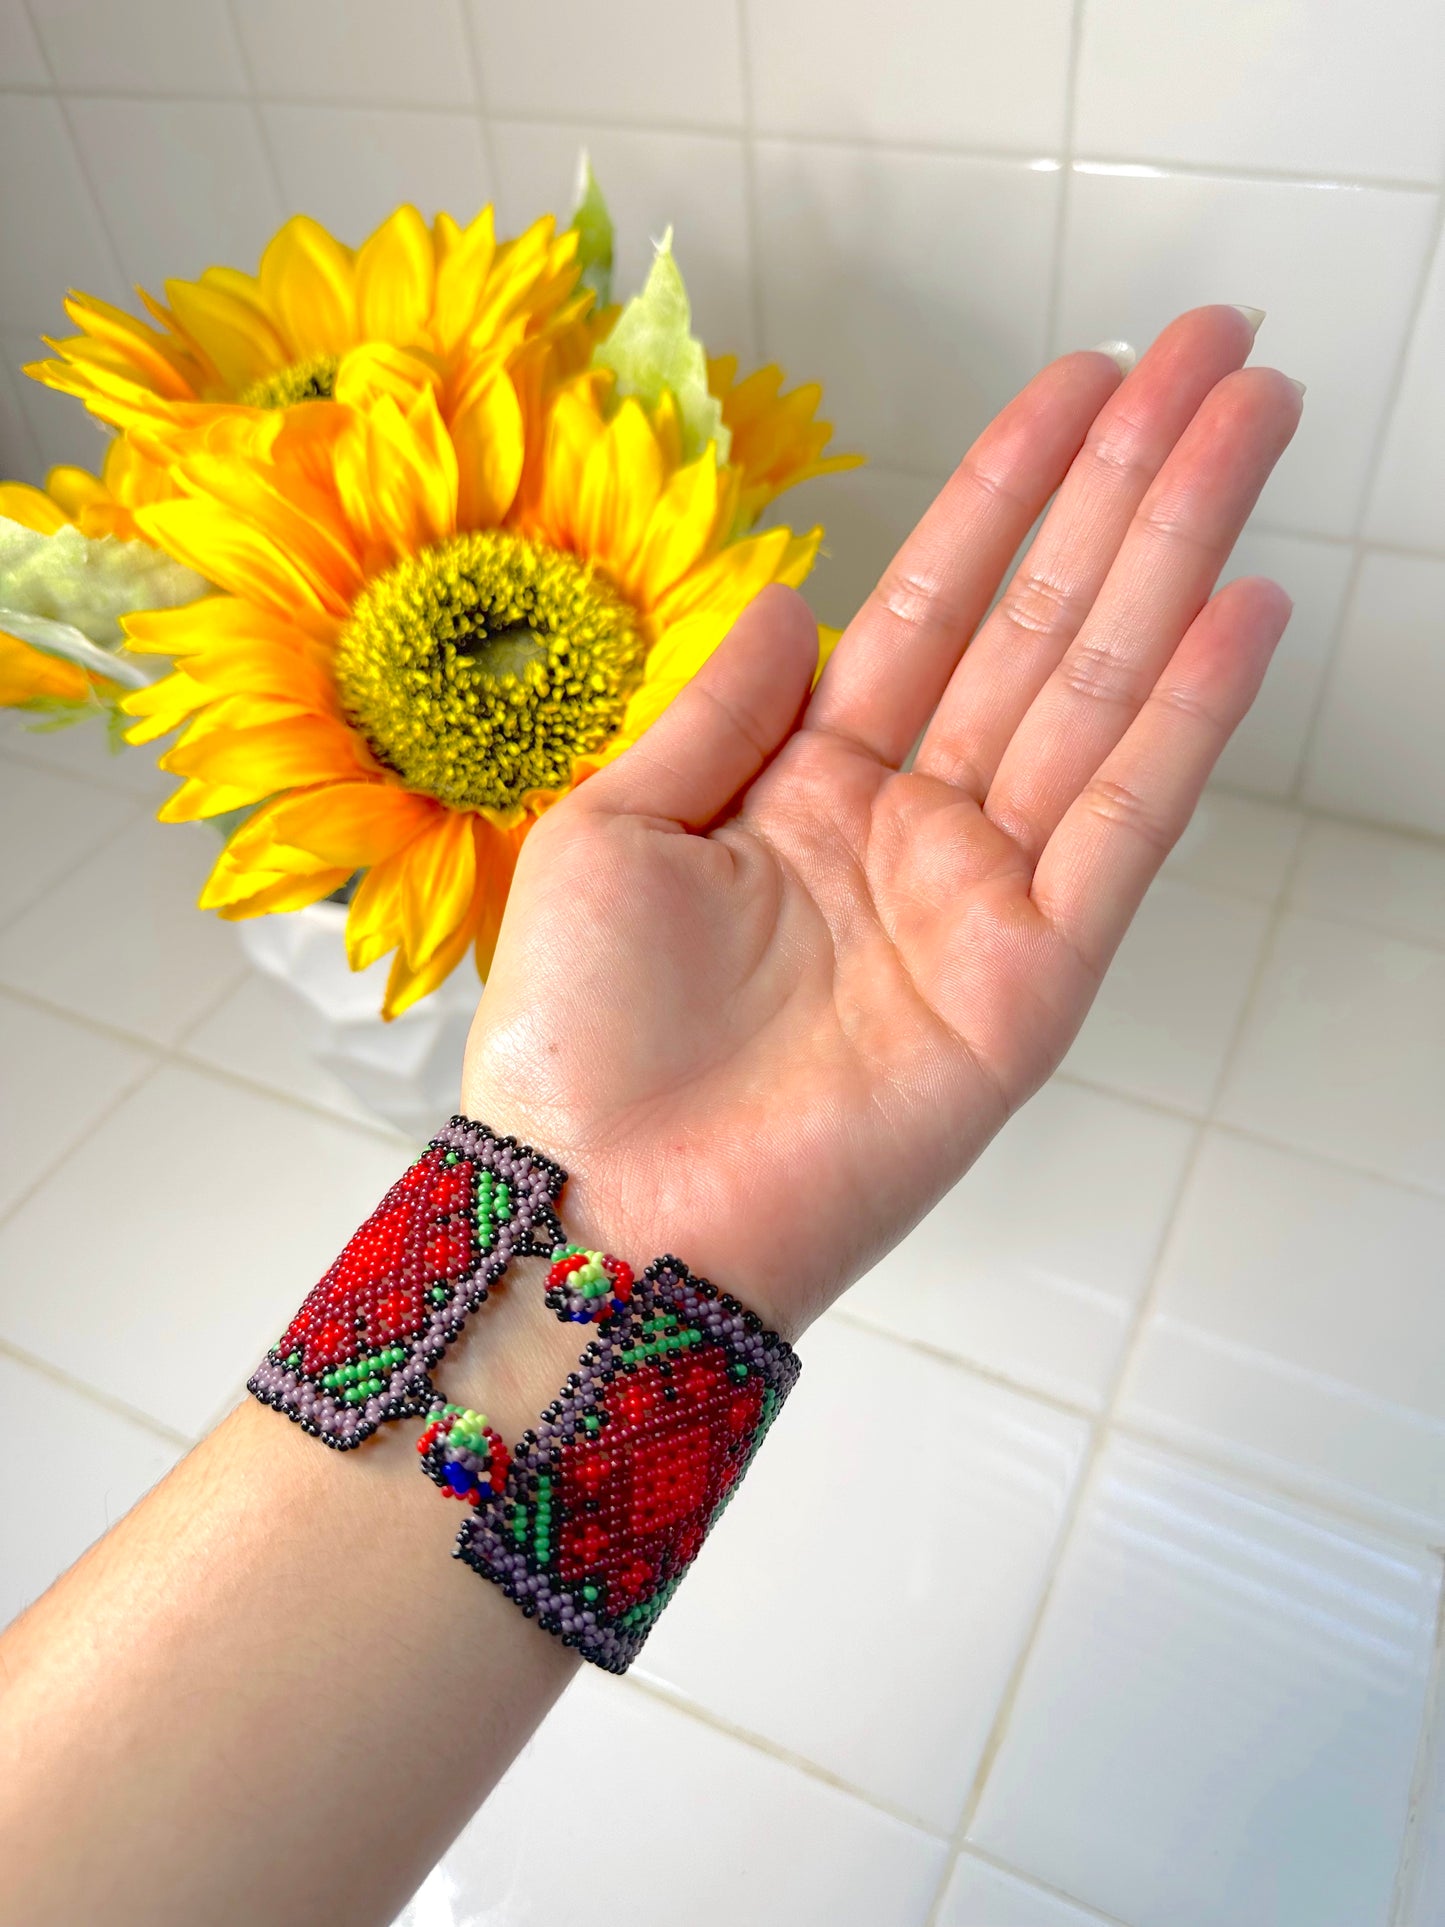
(765, 995)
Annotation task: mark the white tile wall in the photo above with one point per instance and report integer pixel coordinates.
(1191, 1622)
(358, 50)
(633, 62)
(693, 183)
(914, 285)
(1142, 245)
(1408, 504)
(348, 167)
(821, 67)
(983, 1895)
(145, 46)
(51, 238)
(1377, 748)
(22, 64)
(1269, 84)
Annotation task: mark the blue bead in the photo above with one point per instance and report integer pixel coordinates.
(458, 1478)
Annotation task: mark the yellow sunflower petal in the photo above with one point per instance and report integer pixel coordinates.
(621, 482)
(490, 441)
(409, 982)
(32, 508)
(274, 756)
(373, 922)
(27, 673)
(308, 281)
(440, 877)
(235, 337)
(395, 279)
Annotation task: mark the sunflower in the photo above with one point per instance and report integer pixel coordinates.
(434, 622)
(234, 342)
(96, 505)
(776, 440)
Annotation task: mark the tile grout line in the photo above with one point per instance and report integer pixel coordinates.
(117, 1407)
(63, 105)
(1150, 166)
(1370, 476)
(52, 884)
(481, 105)
(1054, 301)
(669, 1696)
(252, 97)
(752, 200)
(1404, 1895)
(1088, 1907)
(101, 1117)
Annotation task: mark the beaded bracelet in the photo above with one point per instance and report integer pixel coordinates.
(590, 1522)
(360, 1350)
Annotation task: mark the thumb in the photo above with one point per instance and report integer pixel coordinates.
(720, 728)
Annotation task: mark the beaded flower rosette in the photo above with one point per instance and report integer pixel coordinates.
(590, 1522)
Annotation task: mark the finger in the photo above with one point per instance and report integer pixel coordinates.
(1165, 569)
(896, 655)
(719, 730)
(1053, 589)
(1114, 836)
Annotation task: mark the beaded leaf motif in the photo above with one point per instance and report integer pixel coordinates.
(608, 1501)
(360, 1351)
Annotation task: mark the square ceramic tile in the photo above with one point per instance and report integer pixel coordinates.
(1219, 1716)
(893, 1688)
(22, 64)
(258, 1034)
(51, 238)
(55, 1506)
(146, 46)
(1422, 1882)
(635, 61)
(349, 167)
(872, 283)
(180, 1236)
(84, 751)
(1376, 749)
(61, 429)
(689, 182)
(184, 184)
(1161, 1024)
(20, 457)
(944, 72)
(1395, 883)
(1325, 88)
(1336, 267)
(1343, 1050)
(1266, 751)
(1235, 843)
(982, 1895)
(49, 825)
(1034, 1265)
(121, 939)
(1265, 1347)
(359, 50)
(866, 514)
(58, 1079)
(1407, 505)
(741, 1837)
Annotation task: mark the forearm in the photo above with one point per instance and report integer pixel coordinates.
(269, 1693)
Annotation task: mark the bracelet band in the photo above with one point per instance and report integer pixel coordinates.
(607, 1503)
(360, 1351)
(590, 1522)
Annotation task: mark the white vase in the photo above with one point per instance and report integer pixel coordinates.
(407, 1071)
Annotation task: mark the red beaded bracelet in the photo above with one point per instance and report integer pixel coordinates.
(590, 1522)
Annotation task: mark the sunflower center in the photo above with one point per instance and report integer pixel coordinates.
(313, 379)
(482, 668)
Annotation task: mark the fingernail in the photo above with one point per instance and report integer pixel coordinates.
(1299, 385)
(1120, 353)
(1252, 315)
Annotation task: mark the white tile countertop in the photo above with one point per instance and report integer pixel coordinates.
(1161, 1635)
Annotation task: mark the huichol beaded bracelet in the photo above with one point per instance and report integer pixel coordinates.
(589, 1523)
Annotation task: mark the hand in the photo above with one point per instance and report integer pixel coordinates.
(765, 993)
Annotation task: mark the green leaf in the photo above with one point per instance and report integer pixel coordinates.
(593, 223)
(66, 593)
(653, 349)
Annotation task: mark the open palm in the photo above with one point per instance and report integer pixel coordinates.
(766, 993)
